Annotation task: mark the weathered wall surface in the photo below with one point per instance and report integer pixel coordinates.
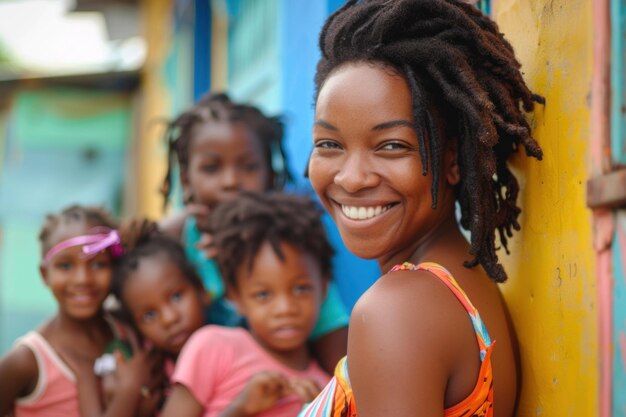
(551, 292)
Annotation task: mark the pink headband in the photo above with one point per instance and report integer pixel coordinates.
(92, 243)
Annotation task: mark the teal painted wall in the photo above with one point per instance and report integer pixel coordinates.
(59, 147)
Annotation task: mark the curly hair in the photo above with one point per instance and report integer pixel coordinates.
(218, 108)
(457, 63)
(141, 240)
(91, 216)
(240, 227)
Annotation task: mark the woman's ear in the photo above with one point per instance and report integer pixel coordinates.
(451, 162)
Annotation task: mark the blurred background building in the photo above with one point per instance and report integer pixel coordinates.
(85, 86)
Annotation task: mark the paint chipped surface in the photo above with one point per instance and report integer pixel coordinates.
(552, 290)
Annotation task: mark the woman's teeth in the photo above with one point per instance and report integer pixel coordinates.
(363, 213)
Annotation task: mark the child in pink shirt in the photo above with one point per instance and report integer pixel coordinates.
(275, 260)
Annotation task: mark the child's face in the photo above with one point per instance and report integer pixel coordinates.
(164, 304)
(280, 298)
(78, 283)
(366, 166)
(224, 159)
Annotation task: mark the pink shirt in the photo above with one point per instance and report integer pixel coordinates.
(55, 394)
(217, 362)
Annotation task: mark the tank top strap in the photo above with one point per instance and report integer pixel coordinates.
(484, 341)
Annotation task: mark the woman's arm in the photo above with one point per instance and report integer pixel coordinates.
(19, 367)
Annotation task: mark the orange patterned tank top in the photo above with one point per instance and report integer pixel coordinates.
(336, 400)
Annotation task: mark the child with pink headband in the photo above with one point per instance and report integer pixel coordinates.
(51, 369)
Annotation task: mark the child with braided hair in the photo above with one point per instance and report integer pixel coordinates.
(49, 372)
(222, 148)
(276, 263)
(419, 105)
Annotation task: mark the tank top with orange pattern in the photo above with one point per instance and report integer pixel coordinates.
(336, 400)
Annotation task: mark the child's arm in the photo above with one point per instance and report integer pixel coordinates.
(330, 348)
(19, 367)
(132, 375)
(174, 224)
(181, 402)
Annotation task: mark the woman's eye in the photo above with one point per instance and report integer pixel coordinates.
(393, 146)
(148, 316)
(327, 144)
(177, 296)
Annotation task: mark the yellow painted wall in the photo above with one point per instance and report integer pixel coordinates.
(551, 291)
(150, 151)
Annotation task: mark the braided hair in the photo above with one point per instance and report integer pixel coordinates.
(217, 108)
(142, 239)
(90, 216)
(241, 226)
(457, 63)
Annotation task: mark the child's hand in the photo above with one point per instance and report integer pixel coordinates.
(205, 245)
(262, 392)
(305, 388)
(143, 372)
(200, 212)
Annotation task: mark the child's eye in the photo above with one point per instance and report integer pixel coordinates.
(63, 265)
(99, 264)
(261, 295)
(210, 168)
(302, 289)
(177, 296)
(148, 316)
(250, 167)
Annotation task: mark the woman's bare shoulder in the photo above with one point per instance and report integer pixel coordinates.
(407, 331)
(409, 301)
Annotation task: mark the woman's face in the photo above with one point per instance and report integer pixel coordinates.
(366, 166)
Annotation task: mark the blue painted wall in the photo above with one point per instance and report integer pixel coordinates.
(272, 57)
(618, 155)
(301, 23)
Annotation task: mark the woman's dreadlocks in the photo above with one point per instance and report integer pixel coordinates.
(456, 61)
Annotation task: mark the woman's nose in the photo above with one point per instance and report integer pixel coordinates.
(356, 173)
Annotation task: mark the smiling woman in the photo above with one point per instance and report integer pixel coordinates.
(368, 168)
(418, 107)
